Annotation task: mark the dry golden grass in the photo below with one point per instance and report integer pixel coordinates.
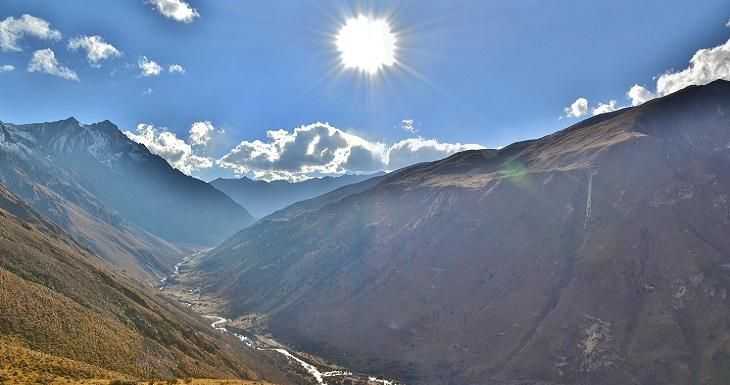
(21, 365)
(52, 323)
(59, 300)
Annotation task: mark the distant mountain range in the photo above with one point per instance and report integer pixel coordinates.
(262, 198)
(112, 195)
(596, 255)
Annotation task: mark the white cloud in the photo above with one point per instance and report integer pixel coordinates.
(408, 125)
(202, 132)
(417, 150)
(177, 10)
(7, 68)
(96, 48)
(176, 69)
(166, 144)
(308, 151)
(148, 67)
(577, 109)
(44, 61)
(581, 108)
(727, 24)
(639, 95)
(321, 149)
(312, 149)
(12, 30)
(603, 108)
(705, 66)
(147, 92)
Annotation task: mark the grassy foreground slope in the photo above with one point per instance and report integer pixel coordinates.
(20, 365)
(57, 299)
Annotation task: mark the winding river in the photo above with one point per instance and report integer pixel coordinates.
(219, 325)
(311, 369)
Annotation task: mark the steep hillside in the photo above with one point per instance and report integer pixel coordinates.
(113, 195)
(60, 304)
(263, 198)
(596, 255)
(126, 177)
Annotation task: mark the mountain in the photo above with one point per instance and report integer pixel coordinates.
(63, 313)
(114, 196)
(263, 198)
(595, 255)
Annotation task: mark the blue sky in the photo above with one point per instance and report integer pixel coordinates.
(472, 72)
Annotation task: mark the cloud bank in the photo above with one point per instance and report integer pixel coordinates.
(13, 30)
(321, 149)
(308, 151)
(705, 66)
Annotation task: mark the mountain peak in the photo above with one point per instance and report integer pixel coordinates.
(106, 126)
(70, 120)
(105, 122)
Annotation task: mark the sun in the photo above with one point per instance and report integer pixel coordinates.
(366, 44)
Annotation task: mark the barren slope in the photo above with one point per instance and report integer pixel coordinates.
(598, 254)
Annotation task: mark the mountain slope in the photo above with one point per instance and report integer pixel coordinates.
(113, 195)
(57, 299)
(125, 176)
(263, 198)
(594, 255)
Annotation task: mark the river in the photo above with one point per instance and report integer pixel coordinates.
(219, 325)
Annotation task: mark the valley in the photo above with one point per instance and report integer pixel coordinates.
(591, 255)
(328, 192)
(596, 254)
(251, 330)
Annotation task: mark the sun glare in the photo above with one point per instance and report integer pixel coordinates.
(366, 44)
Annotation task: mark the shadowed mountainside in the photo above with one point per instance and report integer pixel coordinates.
(598, 254)
(113, 195)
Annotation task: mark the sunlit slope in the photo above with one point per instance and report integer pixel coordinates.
(598, 254)
(57, 299)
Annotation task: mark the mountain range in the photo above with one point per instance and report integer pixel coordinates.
(595, 255)
(113, 196)
(262, 198)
